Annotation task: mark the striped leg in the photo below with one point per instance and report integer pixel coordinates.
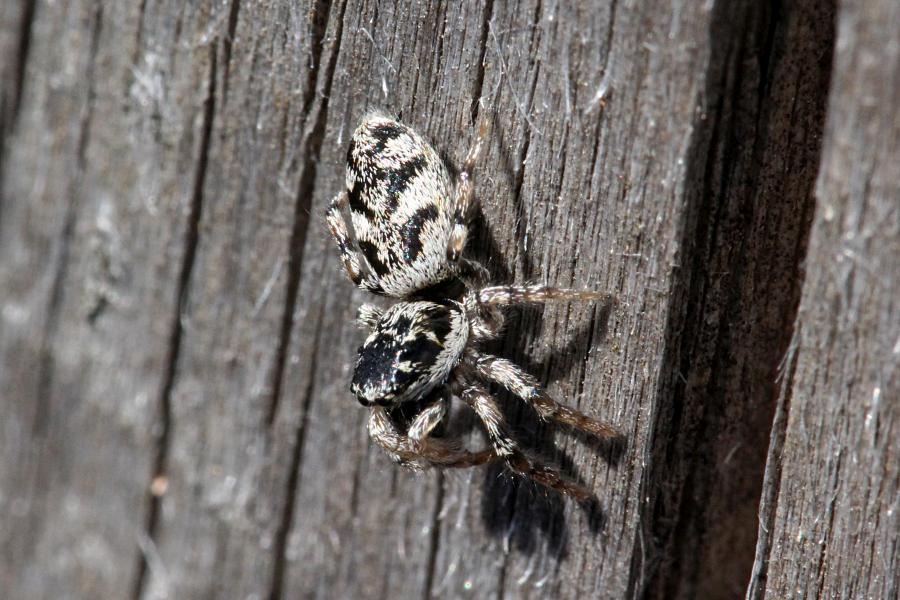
(349, 253)
(476, 396)
(486, 321)
(463, 195)
(526, 387)
(431, 416)
(429, 451)
(503, 295)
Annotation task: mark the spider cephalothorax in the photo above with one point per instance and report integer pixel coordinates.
(409, 220)
(411, 350)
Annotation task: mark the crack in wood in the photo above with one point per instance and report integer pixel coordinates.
(434, 538)
(290, 499)
(25, 32)
(312, 143)
(191, 241)
(733, 148)
(488, 14)
(138, 37)
(227, 44)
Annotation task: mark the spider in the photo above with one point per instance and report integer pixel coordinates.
(409, 217)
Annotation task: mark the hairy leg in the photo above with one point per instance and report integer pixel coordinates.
(483, 305)
(484, 405)
(503, 295)
(431, 416)
(473, 273)
(463, 195)
(434, 451)
(368, 315)
(486, 321)
(349, 253)
(526, 387)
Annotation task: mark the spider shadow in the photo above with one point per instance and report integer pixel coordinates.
(513, 507)
(519, 510)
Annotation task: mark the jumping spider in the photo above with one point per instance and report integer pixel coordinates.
(409, 217)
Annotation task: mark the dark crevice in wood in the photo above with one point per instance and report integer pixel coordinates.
(521, 217)
(318, 26)
(10, 103)
(769, 54)
(609, 36)
(227, 45)
(434, 539)
(312, 144)
(501, 578)
(138, 38)
(25, 29)
(279, 561)
(830, 491)
(46, 366)
(772, 478)
(722, 244)
(354, 491)
(85, 128)
(170, 370)
(479, 73)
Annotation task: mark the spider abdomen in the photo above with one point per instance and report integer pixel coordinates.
(399, 192)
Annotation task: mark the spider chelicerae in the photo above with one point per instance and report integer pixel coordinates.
(410, 220)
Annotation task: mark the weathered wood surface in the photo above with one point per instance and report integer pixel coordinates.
(176, 334)
(830, 520)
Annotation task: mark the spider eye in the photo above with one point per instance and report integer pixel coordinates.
(422, 353)
(400, 377)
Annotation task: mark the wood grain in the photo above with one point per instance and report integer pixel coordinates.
(829, 518)
(176, 338)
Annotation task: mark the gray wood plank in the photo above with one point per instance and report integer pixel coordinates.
(749, 244)
(497, 537)
(226, 460)
(177, 334)
(97, 194)
(829, 519)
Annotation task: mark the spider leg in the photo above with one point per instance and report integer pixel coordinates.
(503, 295)
(473, 273)
(526, 387)
(349, 252)
(463, 195)
(435, 451)
(368, 315)
(476, 396)
(486, 321)
(482, 305)
(430, 417)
